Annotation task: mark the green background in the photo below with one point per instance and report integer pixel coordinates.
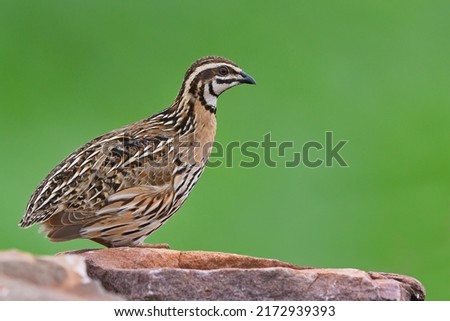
(375, 73)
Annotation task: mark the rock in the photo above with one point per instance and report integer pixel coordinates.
(162, 274)
(27, 277)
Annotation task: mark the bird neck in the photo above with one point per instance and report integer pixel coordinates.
(193, 109)
(197, 90)
(195, 124)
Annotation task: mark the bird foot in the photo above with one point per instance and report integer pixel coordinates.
(154, 246)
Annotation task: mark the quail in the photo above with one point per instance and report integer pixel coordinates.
(120, 187)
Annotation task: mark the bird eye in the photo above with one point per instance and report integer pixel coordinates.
(223, 71)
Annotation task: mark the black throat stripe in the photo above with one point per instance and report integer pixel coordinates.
(210, 108)
(211, 90)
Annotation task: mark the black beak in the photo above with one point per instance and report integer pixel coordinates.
(247, 79)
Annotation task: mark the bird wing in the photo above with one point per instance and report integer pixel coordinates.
(83, 182)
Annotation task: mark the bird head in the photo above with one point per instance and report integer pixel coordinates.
(210, 76)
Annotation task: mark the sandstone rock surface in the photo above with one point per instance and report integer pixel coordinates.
(27, 277)
(163, 274)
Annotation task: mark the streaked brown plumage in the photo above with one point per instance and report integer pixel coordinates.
(120, 187)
